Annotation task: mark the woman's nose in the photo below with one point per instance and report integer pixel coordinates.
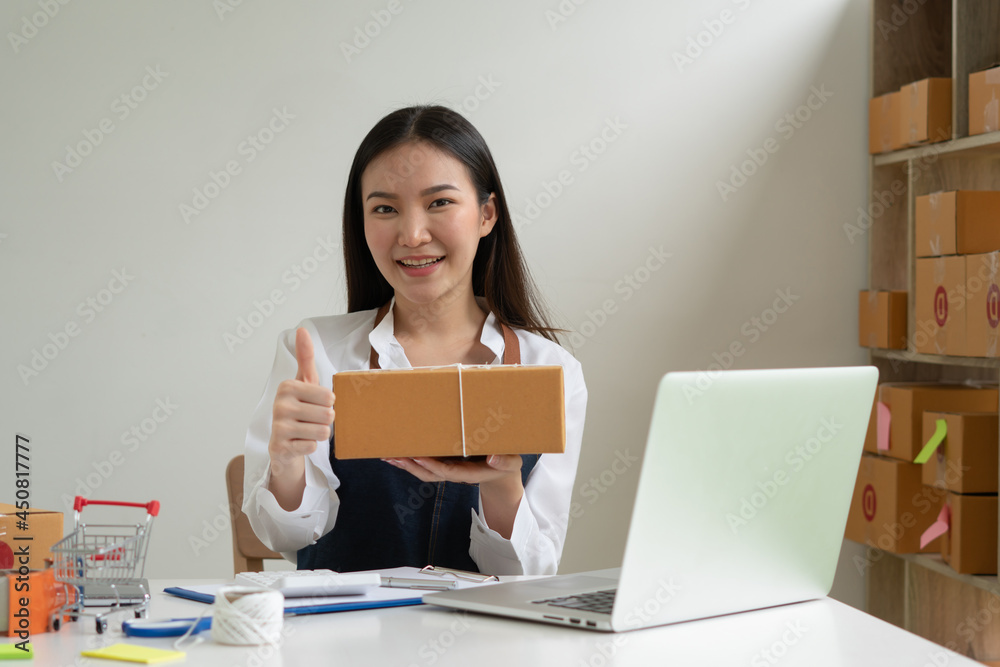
(413, 230)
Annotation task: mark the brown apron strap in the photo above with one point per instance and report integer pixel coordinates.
(511, 346)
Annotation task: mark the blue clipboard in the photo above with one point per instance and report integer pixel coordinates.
(313, 609)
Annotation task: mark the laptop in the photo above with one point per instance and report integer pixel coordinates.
(741, 504)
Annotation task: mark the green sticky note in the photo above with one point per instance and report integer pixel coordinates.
(12, 652)
(133, 653)
(940, 430)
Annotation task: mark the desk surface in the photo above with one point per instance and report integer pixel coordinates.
(817, 633)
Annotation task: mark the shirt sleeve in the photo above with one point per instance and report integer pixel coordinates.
(536, 541)
(280, 530)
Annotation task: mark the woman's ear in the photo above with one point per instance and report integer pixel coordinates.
(488, 212)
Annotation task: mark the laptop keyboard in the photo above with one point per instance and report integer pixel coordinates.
(599, 602)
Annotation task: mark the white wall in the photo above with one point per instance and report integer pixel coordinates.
(545, 88)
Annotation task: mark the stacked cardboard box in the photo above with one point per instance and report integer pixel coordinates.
(957, 286)
(964, 464)
(918, 113)
(893, 503)
(984, 101)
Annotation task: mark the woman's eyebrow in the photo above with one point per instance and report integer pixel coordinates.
(423, 193)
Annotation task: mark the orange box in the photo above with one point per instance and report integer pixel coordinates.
(960, 222)
(43, 595)
(423, 411)
(940, 305)
(890, 508)
(880, 139)
(966, 460)
(984, 101)
(907, 403)
(44, 528)
(970, 545)
(925, 108)
(882, 319)
(982, 318)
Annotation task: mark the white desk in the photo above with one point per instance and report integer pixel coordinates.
(826, 632)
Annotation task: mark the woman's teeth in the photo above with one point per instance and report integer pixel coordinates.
(417, 263)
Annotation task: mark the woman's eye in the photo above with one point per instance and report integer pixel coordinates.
(382, 208)
(440, 202)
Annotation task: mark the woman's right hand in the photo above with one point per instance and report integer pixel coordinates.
(303, 413)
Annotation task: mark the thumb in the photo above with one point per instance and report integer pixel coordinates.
(304, 355)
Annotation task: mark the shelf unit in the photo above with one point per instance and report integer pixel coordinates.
(911, 41)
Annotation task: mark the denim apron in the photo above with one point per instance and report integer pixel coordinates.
(389, 518)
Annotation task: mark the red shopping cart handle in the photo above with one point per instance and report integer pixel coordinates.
(152, 507)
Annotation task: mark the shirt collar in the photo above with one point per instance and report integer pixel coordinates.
(391, 355)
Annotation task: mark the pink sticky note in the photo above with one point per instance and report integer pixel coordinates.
(938, 528)
(883, 419)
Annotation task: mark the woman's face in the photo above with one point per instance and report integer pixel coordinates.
(423, 221)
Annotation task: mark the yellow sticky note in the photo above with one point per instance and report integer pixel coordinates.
(133, 653)
(14, 652)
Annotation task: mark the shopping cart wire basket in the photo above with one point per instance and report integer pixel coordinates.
(101, 566)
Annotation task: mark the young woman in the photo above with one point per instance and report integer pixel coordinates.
(434, 277)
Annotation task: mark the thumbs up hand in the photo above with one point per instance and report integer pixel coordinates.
(303, 413)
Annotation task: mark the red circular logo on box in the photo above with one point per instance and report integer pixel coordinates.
(941, 306)
(993, 306)
(868, 502)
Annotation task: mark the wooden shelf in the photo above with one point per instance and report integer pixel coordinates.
(940, 359)
(980, 144)
(989, 583)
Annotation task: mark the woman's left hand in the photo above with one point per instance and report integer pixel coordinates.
(494, 468)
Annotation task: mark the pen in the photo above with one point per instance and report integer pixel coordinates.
(399, 582)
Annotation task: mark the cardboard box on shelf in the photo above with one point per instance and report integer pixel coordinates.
(984, 101)
(970, 545)
(982, 287)
(882, 319)
(925, 108)
(501, 409)
(940, 305)
(958, 222)
(897, 131)
(966, 460)
(44, 527)
(907, 402)
(880, 139)
(890, 508)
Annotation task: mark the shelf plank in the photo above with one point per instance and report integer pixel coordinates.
(939, 359)
(981, 144)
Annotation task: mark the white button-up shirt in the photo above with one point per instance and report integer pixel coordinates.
(344, 342)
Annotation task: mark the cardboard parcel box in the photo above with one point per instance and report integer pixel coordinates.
(44, 528)
(940, 305)
(984, 108)
(970, 545)
(925, 108)
(965, 461)
(882, 319)
(422, 411)
(958, 222)
(906, 403)
(890, 508)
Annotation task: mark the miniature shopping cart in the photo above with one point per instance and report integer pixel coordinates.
(101, 566)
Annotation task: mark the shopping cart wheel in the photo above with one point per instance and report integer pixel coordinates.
(140, 614)
(102, 625)
(56, 624)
